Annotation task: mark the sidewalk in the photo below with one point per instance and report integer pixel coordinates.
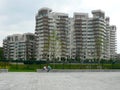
(60, 81)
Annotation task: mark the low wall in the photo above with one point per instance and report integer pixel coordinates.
(3, 70)
(79, 70)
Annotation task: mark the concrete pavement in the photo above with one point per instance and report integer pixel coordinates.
(60, 81)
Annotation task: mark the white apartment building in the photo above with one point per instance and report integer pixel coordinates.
(88, 35)
(80, 36)
(58, 36)
(51, 34)
(108, 37)
(19, 47)
(91, 37)
(112, 41)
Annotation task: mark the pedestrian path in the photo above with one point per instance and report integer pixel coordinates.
(60, 81)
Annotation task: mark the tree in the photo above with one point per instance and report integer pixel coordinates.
(1, 53)
(54, 45)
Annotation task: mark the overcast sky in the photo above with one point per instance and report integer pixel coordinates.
(18, 16)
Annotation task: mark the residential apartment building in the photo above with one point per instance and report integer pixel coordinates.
(58, 36)
(79, 36)
(117, 57)
(112, 41)
(91, 37)
(19, 47)
(107, 37)
(51, 34)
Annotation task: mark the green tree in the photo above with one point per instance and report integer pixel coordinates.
(1, 53)
(54, 45)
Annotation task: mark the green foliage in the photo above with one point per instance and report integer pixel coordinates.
(31, 66)
(1, 53)
(16, 67)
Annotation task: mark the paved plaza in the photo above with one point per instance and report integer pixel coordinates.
(60, 81)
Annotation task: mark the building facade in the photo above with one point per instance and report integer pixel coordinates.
(59, 37)
(91, 37)
(19, 47)
(112, 41)
(51, 34)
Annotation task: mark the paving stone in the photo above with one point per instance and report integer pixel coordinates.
(60, 81)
